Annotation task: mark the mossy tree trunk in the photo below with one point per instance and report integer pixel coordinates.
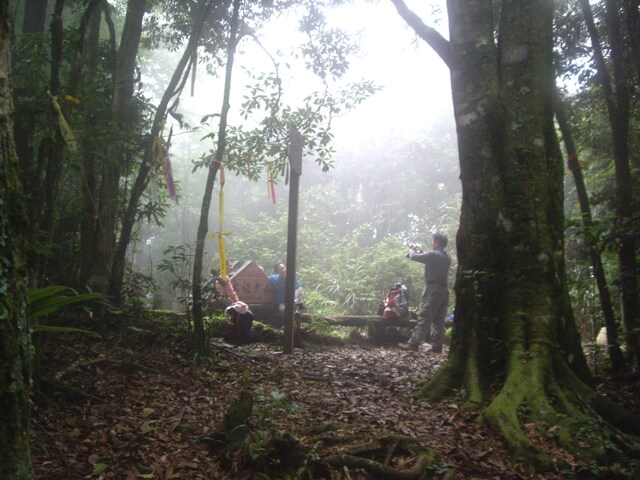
(15, 462)
(29, 44)
(515, 349)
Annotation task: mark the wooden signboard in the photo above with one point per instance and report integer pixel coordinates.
(252, 285)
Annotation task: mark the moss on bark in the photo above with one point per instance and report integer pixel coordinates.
(15, 460)
(540, 404)
(542, 399)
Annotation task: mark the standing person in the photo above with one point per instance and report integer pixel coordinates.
(435, 296)
(277, 280)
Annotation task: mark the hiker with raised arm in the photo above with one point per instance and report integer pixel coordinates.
(435, 296)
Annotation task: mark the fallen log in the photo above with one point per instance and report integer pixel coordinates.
(358, 320)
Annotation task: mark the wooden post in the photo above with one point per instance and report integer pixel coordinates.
(295, 162)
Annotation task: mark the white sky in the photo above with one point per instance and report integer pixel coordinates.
(416, 84)
(415, 80)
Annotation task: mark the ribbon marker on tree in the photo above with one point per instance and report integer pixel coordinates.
(168, 173)
(271, 186)
(222, 252)
(158, 159)
(63, 126)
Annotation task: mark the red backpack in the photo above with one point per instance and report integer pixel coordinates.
(396, 304)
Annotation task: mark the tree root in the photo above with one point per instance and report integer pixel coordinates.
(616, 415)
(379, 470)
(541, 406)
(375, 457)
(71, 394)
(124, 366)
(562, 411)
(446, 379)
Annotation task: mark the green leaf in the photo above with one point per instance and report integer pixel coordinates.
(39, 293)
(51, 328)
(98, 468)
(51, 303)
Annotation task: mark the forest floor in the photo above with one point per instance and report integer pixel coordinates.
(136, 405)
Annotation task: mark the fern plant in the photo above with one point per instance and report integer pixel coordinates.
(47, 300)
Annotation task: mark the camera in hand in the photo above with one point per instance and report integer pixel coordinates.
(416, 246)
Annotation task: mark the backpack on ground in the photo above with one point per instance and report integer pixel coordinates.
(396, 303)
(240, 324)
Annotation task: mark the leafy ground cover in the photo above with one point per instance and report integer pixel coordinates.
(137, 405)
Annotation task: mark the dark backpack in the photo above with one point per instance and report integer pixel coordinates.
(240, 326)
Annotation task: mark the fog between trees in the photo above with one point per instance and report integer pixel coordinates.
(394, 177)
(353, 220)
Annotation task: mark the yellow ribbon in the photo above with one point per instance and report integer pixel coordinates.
(222, 251)
(63, 126)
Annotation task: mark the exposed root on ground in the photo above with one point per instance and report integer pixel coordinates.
(543, 407)
(377, 469)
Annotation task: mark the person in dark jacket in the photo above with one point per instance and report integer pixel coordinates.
(435, 296)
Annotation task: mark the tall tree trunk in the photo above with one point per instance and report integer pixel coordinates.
(613, 347)
(35, 15)
(41, 182)
(617, 98)
(174, 88)
(84, 68)
(514, 345)
(109, 196)
(33, 35)
(33, 161)
(15, 458)
(632, 18)
(45, 178)
(203, 226)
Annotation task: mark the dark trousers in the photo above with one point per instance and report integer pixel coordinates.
(433, 309)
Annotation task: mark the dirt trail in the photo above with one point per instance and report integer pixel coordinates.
(146, 406)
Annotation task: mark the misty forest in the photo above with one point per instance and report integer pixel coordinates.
(161, 161)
